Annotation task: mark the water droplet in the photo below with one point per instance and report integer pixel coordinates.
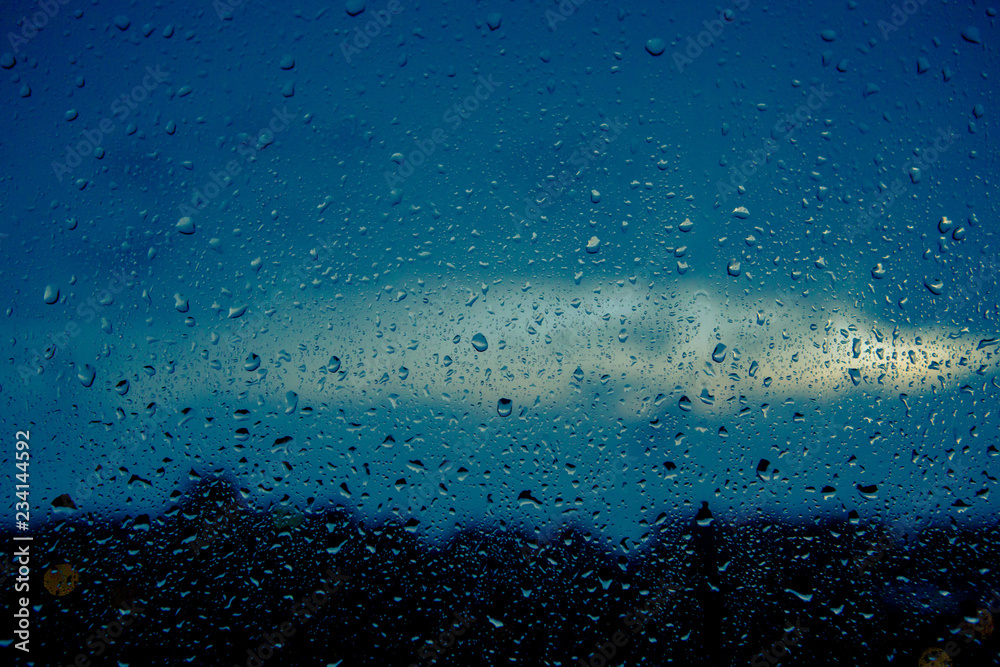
(656, 46)
(479, 342)
(719, 353)
(623, 335)
(51, 294)
(185, 225)
(252, 363)
(334, 364)
(86, 375)
(504, 407)
(869, 491)
(971, 34)
(593, 245)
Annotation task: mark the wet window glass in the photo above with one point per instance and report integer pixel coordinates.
(569, 333)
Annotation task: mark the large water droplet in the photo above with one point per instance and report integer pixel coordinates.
(185, 225)
(51, 294)
(86, 375)
(252, 363)
(504, 407)
(479, 342)
(719, 353)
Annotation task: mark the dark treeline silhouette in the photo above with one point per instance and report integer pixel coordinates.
(723, 594)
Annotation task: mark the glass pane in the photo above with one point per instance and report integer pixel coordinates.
(381, 332)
